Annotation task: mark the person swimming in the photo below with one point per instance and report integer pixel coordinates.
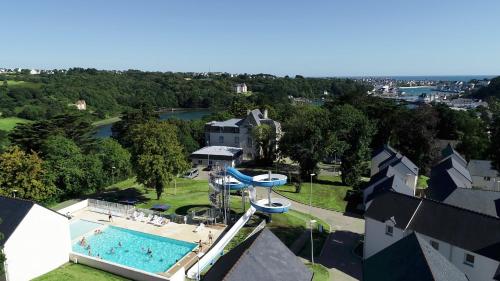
(119, 244)
(149, 252)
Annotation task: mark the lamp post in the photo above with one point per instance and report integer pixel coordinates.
(199, 255)
(14, 192)
(113, 174)
(311, 221)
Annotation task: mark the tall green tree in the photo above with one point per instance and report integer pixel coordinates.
(353, 135)
(116, 160)
(495, 137)
(23, 175)
(157, 154)
(307, 138)
(121, 130)
(265, 141)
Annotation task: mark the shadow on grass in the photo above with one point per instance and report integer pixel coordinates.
(353, 199)
(184, 210)
(328, 182)
(116, 195)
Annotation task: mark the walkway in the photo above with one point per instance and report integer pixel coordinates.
(337, 254)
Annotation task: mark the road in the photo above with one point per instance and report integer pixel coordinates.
(337, 254)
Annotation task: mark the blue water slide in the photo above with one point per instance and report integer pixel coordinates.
(260, 180)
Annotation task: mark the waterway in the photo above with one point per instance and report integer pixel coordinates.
(104, 131)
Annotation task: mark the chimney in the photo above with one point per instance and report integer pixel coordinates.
(265, 113)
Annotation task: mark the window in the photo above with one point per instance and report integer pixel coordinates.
(200, 161)
(435, 244)
(389, 230)
(469, 259)
(221, 139)
(487, 178)
(236, 140)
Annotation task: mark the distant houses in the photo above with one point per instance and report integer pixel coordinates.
(240, 88)
(81, 105)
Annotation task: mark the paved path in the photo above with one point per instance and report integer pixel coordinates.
(337, 254)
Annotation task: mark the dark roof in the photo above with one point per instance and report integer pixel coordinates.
(386, 148)
(392, 204)
(412, 259)
(482, 201)
(389, 160)
(261, 257)
(394, 183)
(449, 150)
(470, 230)
(482, 168)
(383, 174)
(12, 212)
(497, 273)
(448, 175)
(400, 163)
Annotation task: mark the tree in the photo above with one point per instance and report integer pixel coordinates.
(157, 155)
(495, 143)
(265, 141)
(307, 139)
(353, 134)
(23, 175)
(115, 160)
(122, 129)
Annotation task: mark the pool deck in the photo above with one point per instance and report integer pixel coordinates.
(183, 232)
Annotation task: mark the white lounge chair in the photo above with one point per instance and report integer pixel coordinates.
(148, 218)
(199, 227)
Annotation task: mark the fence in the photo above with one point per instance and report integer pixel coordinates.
(116, 209)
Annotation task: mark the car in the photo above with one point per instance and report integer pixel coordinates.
(191, 174)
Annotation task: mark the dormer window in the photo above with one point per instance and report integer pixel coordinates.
(389, 230)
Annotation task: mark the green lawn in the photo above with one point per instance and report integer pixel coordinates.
(7, 124)
(327, 192)
(78, 272)
(107, 121)
(23, 84)
(422, 182)
(320, 272)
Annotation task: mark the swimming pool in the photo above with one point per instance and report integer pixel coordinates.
(134, 247)
(81, 227)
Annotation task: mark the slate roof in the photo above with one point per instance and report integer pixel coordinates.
(386, 148)
(482, 168)
(227, 123)
(394, 183)
(411, 259)
(482, 201)
(448, 175)
(401, 163)
(470, 230)
(217, 150)
(12, 212)
(392, 204)
(449, 150)
(261, 257)
(382, 174)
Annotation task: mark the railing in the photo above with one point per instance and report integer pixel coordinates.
(116, 209)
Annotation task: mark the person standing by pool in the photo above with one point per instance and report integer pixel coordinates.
(110, 217)
(201, 245)
(210, 237)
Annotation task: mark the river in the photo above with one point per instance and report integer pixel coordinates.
(104, 131)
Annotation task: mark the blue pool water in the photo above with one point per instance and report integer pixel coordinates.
(133, 250)
(80, 227)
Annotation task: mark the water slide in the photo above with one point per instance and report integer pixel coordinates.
(235, 180)
(217, 249)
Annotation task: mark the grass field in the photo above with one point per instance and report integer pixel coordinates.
(24, 84)
(7, 124)
(320, 272)
(327, 192)
(78, 272)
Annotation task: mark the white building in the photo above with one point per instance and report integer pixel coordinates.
(389, 157)
(36, 239)
(34, 72)
(238, 132)
(217, 156)
(81, 105)
(240, 88)
(484, 176)
(467, 239)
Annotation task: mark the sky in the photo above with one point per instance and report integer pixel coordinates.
(310, 38)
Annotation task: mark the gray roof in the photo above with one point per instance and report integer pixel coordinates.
(482, 168)
(394, 183)
(12, 212)
(446, 176)
(467, 229)
(401, 163)
(412, 259)
(261, 257)
(482, 201)
(386, 149)
(235, 122)
(449, 150)
(217, 150)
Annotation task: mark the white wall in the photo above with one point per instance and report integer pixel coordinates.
(40, 243)
(75, 207)
(376, 239)
(484, 268)
(221, 163)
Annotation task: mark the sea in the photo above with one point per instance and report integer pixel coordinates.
(465, 78)
(104, 131)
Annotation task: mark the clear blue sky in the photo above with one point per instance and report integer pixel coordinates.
(313, 38)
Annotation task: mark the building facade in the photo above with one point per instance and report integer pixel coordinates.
(238, 132)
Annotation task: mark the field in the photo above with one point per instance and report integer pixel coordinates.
(7, 124)
(78, 272)
(327, 192)
(24, 84)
